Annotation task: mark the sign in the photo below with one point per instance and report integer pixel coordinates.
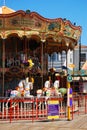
(69, 93)
(71, 65)
(69, 78)
(53, 109)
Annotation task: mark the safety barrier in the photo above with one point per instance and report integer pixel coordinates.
(29, 108)
(79, 105)
(35, 108)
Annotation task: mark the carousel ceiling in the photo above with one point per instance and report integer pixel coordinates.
(56, 34)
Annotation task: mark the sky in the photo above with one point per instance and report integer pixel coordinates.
(73, 10)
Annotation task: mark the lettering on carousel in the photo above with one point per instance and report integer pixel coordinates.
(22, 22)
(77, 72)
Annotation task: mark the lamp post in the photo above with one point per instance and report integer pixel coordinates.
(68, 85)
(67, 45)
(80, 80)
(80, 53)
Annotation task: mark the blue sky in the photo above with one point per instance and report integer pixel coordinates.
(73, 10)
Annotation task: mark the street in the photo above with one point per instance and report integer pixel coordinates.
(79, 123)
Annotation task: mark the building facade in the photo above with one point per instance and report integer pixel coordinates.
(77, 57)
(80, 56)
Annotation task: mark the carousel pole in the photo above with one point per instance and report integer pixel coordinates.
(3, 65)
(3, 57)
(42, 64)
(42, 41)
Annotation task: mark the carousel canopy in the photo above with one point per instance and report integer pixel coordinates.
(56, 34)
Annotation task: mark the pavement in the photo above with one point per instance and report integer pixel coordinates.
(79, 123)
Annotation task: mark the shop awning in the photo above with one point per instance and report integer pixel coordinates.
(84, 67)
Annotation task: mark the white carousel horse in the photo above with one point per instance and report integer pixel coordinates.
(13, 94)
(47, 84)
(56, 84)
(28, 86)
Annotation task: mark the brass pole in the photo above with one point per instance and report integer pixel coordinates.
(42, 56)
(3, 66)
(3, 57)
(42, 65)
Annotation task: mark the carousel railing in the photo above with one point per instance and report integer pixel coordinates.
(32, 108)
(35, 108)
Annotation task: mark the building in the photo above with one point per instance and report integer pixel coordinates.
(76, 57)
(80, 57)
(6, 10)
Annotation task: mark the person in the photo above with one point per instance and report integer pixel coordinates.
(47, 86)
(56, 83)
(21, 87)
(48, 82)
(65, 100)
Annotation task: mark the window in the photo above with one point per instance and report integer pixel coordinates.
(53, 57)
(59, 58)
(71, 58)
(83, 57)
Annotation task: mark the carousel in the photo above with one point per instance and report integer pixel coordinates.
(26, 41)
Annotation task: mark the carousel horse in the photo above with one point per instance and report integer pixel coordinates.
(25, 86)
(13, 94)
(28, 86)
(39, 94)
(22, 90)
(56, 86)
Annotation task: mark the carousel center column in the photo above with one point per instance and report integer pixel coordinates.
(3, 55)
(3, 65)
(42, 56)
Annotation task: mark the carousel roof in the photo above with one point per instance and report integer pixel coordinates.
(58, 34)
